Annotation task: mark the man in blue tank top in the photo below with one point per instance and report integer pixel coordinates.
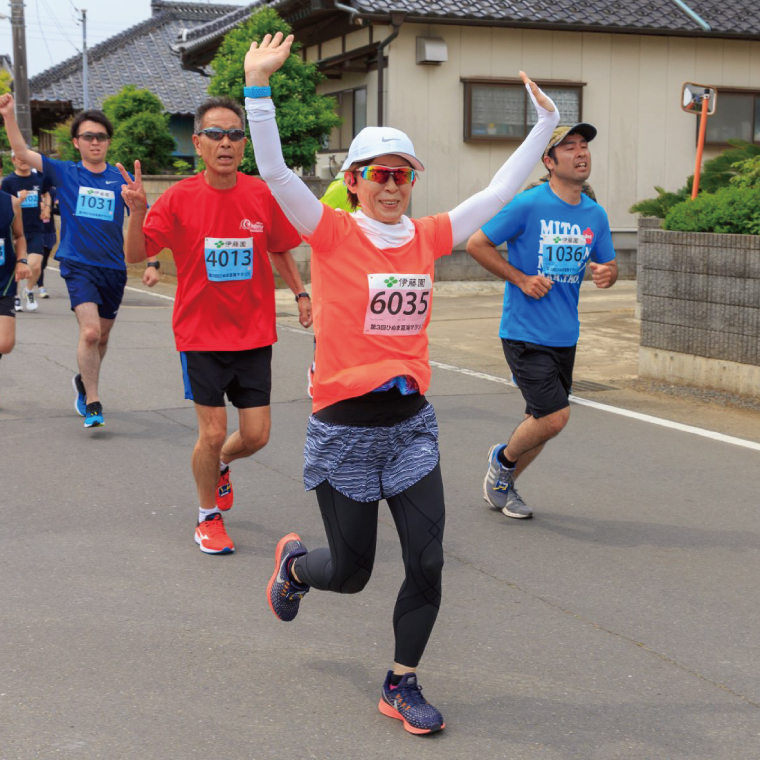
(13, 267)
(91, 251)
(553, 231)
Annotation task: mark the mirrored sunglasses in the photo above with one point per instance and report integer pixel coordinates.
(98, 137)
(216, 134)
(402, 175)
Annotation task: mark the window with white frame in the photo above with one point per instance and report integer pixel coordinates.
(500, 109)
(351, 106)
(736, 117)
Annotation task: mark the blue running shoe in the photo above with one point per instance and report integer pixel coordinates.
(406, 703)
(80, 403)
(283, 593)
(94, 415)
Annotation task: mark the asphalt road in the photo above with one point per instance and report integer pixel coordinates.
(621, 622)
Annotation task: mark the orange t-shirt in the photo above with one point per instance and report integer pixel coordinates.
(371, 306)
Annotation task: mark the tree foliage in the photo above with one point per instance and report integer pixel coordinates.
(304, 118)
(141, 130)
(716, 173)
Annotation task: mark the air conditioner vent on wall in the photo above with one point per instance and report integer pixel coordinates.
(432, 50)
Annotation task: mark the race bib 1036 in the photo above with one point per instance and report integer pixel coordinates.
(228, 259)
(398, 303)
(563, 255)
(94, 203)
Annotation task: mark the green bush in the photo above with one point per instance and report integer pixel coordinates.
(725, 169)
(304, 118)
(732, 210)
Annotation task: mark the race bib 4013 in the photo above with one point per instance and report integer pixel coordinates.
(398, 303)
(228, 259)
(94, 203)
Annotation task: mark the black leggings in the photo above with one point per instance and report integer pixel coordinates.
(45, 257)
(345, 567)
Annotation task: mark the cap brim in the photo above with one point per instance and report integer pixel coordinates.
(415, 162)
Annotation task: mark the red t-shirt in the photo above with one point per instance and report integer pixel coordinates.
(220, 239)
(371, 305)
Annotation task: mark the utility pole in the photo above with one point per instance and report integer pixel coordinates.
(20, 79)
(85, 93)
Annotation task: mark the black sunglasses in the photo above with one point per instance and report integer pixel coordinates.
(93, 137)
(217, 134)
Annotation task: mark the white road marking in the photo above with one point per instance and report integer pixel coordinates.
(575, 399)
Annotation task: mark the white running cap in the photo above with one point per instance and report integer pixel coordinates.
(380, 141)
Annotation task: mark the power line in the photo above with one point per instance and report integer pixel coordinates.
(50, 55)
(63, 31)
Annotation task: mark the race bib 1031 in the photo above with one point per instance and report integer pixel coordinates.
(94, 203)
(398, 303)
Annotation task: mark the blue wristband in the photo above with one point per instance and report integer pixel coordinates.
(257, 92)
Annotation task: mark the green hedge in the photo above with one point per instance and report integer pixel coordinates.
(729, 210)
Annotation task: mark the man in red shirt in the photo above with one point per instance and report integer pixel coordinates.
(220, 225)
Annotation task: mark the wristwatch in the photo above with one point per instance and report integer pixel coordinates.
(156, 264)
(26, 261)
(302, 295)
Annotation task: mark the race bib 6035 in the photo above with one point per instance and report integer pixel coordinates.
(228, 258)
(398, 303)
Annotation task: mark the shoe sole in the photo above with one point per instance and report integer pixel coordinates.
(226, 549)
(515, 515)
(392, 712)
(277, 561)
(95, 424)
(34, 309)
(76, 390)
(309, 384)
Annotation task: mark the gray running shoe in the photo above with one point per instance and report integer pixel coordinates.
(498, 481)
(515, 506)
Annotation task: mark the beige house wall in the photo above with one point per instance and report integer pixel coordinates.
(632, 93)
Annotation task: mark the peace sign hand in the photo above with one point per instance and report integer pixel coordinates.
(262, 60)
(133, 193)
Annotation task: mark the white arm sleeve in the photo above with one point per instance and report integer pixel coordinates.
(298, 203)
(470, 215)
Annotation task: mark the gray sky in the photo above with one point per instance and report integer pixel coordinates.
(53, 33)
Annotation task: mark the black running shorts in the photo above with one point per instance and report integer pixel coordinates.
(244, 376)
(8, 306)
(544, 375)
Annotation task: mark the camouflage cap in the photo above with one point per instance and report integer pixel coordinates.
(560, 133)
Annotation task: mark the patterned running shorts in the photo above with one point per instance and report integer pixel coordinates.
(371, 463)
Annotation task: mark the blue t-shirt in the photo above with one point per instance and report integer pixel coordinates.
(92, 213)
(7, 254)
(547, 236)
(35, 186)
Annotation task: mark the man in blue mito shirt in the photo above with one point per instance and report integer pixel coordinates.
(552, 232)
(91, 251)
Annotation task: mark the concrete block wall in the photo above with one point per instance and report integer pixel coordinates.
(700, 297)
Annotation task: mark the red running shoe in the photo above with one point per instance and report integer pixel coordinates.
(211, 536)
(224, 494)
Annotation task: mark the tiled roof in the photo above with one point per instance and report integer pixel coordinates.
(725, 17)
(141, 55)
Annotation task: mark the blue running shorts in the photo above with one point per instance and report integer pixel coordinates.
(88, 283)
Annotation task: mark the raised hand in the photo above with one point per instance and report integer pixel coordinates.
(133, 192)
(262, 60)
(537, 95)
(7, 105)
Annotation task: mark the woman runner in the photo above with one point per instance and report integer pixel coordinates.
(372, 434)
